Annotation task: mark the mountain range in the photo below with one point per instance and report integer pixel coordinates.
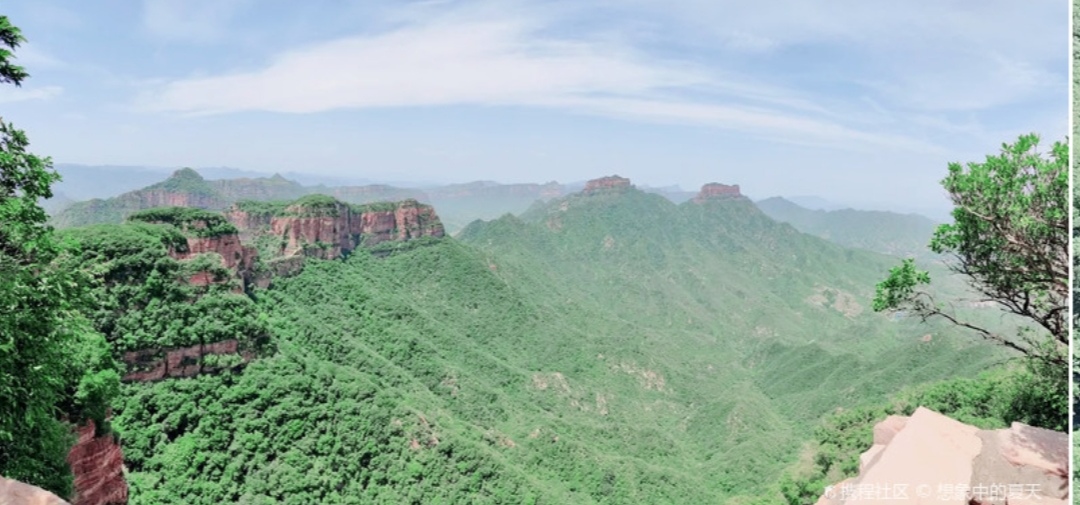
(604, 346)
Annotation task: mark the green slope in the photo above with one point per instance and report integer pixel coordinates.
(905, 235)
(612, 348)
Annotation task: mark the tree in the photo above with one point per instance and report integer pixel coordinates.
(52, 364)
(1010, 238)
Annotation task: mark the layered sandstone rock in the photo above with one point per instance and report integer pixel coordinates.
(332, 229)
(234, 255)
(931, 458)
(156, 364)
(15, 492)
(97, 464)
(206, 233)
(717, 190)
(604, 184)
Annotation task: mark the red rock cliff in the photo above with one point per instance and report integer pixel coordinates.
(612, 182)
(334, 229)
(234, 255)
(717, 190)
(98, 466)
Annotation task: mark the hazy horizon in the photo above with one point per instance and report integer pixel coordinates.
(780, 99)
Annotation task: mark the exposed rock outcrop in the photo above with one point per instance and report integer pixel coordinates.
(931, 458)
(234, 254)
(206, 232)
(14, 492)
(328, 229)
(156, 364)
(717, 190)
(98, 466)
(604, 184)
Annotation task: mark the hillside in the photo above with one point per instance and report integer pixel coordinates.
(756, 330)
(905, 235)
(609, 346)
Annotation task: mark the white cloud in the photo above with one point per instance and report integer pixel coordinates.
(31, 57)
(502, 61)
(10, 94)
(437, 64)
(909, 63)
(924, 55)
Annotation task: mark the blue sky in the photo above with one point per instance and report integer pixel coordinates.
(858, 102)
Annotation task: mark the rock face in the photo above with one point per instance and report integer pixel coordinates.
(717, 190)
(609, 183)
(156, 364)
(98, 466)
(205, 233)
(931, 458)
(234, 254)
(332, 229)
(15, 492)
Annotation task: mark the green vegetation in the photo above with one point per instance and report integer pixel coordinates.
(1010, 237)
(315, 206)
(183, 187)
(144, 299)
(197, 222)
(53, 365)
(262, 208)
(379, 206)
(884, 232)
(598, 349)
(587, 353)
(187, 181)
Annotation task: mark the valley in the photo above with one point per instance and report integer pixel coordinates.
(608, 346)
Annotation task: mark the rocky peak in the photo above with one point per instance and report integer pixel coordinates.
(717, 190)
(609, 183)
(939, 459)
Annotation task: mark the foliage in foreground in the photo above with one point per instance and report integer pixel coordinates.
(1010, 237)
(53, 365)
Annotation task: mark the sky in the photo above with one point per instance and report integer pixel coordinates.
(853, 101)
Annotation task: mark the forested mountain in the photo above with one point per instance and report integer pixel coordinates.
(905, 235)
(609, 346)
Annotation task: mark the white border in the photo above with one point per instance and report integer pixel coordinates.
(1072, 246)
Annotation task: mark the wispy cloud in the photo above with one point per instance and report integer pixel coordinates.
(33, 57)
(10, 94)
(506, 60)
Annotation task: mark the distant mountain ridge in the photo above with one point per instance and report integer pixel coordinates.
(85, 199)
(905, 235)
